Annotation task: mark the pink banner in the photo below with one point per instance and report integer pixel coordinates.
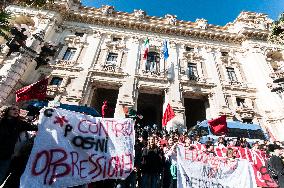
(256, 158)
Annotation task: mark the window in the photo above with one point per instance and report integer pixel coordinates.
(79, 34)
(152, 61)
(116, 39)
(224, 54)
(240, 102)
(248, 121)
(69, 54)
(231, 74)
(192, 69)
(189, 49)
(56, 81)
(112, 58)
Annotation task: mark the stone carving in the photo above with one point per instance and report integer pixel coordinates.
(115, 45)
(107, 10)
(202, 23)
(254, 20)
(171, 19)
(140, 14)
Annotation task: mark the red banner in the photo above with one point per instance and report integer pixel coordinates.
(256, 158)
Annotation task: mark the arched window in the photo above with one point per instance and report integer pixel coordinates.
(153, 60)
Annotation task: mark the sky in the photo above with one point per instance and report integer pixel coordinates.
(217, 12)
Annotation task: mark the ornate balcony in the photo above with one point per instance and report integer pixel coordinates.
(64, 65)
(196, 80)
(277, 76)
(116, 44)
(236, 85)
(112, 68)
(53, 90)
(245, 112)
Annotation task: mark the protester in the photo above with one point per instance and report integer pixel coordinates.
(10, 127)
(275, 164)
(155, 162)
(171, 157)
(221, 142)
(151, 164)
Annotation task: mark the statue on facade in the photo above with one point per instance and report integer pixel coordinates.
(19, 36)
(140, 14)
(171, 19)
(48, 51)
(202, 23)
(107, 10)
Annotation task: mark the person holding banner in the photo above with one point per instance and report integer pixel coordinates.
(10, 127)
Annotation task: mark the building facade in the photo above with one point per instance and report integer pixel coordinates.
(211, 70)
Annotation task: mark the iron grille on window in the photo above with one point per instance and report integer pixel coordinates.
(79, 34)
(192, 71)
(56, 81)
(116, 39)
(69, 54)
(240, 102)
(153, 60)
(112, 58)
(189, 49)
(231, 74)
(224, 54)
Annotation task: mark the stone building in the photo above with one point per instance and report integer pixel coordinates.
(211, 70)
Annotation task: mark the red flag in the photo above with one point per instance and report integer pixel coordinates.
(34, 91)
(168, 115)
(218, 126)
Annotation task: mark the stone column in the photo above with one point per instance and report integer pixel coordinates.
(173, 95)
(15, 67)
(128, 93)
(81, 83)
(216, 97)
(257, 71)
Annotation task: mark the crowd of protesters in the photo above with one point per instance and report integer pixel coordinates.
(155, 164)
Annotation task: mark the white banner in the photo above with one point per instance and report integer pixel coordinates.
(73, 149)
(195, 168)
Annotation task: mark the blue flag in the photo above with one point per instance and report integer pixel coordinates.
(165, 50)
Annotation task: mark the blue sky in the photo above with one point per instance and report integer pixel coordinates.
(217, 12)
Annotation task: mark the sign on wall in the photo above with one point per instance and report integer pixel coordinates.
(74, 149)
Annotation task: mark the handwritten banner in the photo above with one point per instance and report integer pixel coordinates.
(256, 158)
(199, 169)
(74, 149)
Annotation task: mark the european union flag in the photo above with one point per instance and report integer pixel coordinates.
(165, 50)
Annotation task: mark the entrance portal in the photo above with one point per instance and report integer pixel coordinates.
(194, 111)
(151, 107)
(102, 94)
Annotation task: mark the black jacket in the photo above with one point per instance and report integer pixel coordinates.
(9, 133)
(276, 169)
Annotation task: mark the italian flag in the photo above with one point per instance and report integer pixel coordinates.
(146, 49)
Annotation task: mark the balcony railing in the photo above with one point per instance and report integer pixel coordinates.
(245, 112)
(111, 67)
(277, 76)
(64, 63)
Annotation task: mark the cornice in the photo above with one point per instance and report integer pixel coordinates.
(153, 24)
(139, 21)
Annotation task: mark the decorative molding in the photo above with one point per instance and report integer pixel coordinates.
(139, 14)
(170, 19)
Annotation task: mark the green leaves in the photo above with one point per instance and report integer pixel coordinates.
(277, 31)
(37, 3)
(4, 24)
